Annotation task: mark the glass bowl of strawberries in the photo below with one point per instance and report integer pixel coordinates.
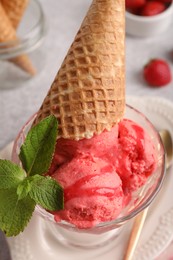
(146, 18)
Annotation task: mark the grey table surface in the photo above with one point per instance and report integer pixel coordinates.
(4, 249)
(63, 19)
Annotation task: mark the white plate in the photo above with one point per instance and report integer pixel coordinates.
(158, 230)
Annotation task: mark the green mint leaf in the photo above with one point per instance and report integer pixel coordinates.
(46, 192)
(10, 174)
(14, 213)
(37, 151)
(23, 188)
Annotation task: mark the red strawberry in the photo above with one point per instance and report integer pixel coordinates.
(152, 8)
(157, 73)
(134, 4)
(167, 2)
(135, 11)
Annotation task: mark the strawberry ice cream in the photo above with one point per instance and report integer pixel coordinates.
(98, 174)
(136, 156)
(93, 191)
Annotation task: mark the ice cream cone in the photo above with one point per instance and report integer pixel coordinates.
(88, 93)
(7, 35)
(15, 10)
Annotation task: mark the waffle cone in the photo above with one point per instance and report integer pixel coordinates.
(88, 93)
(14, 10)
(8, 34)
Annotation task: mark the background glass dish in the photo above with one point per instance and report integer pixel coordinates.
(30, 33)
(100, 235)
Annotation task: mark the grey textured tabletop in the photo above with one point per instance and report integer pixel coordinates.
(4, 250)
(63, 19)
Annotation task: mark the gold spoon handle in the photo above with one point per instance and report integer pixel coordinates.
(136, 231)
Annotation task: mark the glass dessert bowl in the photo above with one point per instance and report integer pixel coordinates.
(20, 57)
(101, 233)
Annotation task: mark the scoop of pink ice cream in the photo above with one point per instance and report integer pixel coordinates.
(102, 146)
(92, 191)
(99, 174)
(136, 155)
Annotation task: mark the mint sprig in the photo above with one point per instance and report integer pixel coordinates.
(10, 174)
(46, 192)
(15, 213)
(22, 188)
(36, 152)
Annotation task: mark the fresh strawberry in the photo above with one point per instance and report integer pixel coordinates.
(152, 8)
(134, 4)
(167, 2)
(157, 73)
(135, 11)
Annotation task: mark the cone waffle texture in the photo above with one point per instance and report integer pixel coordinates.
(88, 93)
(8, 34)
(15, 10)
